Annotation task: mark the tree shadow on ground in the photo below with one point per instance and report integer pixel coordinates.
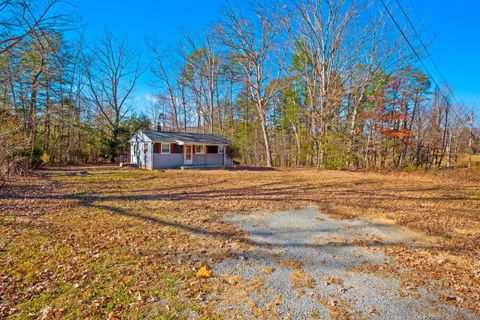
(226, 235)
(251, 168)
(324, 195)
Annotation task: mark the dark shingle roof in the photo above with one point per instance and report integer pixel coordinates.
(185, 137)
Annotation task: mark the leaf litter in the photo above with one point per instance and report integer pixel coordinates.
(88, 245)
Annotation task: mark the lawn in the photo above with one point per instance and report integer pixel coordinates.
(126, 243)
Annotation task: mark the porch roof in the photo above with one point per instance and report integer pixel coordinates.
(185, 138)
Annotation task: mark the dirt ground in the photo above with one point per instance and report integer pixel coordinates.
(104, 242)
(307, 265)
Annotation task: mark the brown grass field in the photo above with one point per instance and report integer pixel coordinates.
(126, 243)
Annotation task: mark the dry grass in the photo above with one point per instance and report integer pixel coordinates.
(300, 279)
(127, 243)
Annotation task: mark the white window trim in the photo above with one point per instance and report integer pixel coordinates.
(221, 147)
(203, 149)
(169, 148)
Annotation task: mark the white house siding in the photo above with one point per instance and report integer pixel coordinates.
(142, 159)
(167, 161)
(149, 157)
(159, 161)
(139, 157)
(133, 156)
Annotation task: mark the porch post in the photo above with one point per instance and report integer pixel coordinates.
(224, 156)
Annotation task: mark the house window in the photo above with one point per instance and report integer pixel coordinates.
(221, 149)
(156, 148)
(200, 149)
(176, 148)
(165, 148)
(145, 148)
(212, 149)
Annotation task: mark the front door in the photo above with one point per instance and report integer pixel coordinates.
(188, 159)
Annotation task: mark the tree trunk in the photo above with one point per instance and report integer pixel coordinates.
(266, 140)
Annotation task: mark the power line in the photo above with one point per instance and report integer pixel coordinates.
(418, 56)
(412, 47)
(421, 11)
(426, 49)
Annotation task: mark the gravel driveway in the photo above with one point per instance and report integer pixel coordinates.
(302, 267)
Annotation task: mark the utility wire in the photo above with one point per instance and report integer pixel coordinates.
(421, 11)
(447, 101)
(426, 49)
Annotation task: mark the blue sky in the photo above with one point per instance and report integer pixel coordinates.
(451, 28)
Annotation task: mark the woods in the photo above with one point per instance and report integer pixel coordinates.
(327, 84)
(298, 159)
(63, 101)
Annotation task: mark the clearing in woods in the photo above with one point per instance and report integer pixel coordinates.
(126, 243)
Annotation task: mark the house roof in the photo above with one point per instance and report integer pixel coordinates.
(184, 138)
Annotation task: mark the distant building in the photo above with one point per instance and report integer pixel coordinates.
(168, 150)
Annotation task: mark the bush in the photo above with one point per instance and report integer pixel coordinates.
(232, 151)
(336, 154)
(45, 158)
(36, 160)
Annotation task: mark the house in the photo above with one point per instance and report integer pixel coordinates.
(165, 150)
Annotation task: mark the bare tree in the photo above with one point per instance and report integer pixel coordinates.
(22, 18)
(202, 73)
(331, 49)
(112, 70)
(470, 139)
(167, 78)
(252, 44)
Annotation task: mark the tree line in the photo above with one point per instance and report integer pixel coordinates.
(321, 83)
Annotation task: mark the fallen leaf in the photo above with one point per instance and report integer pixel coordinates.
(45, 312)
(203, 272)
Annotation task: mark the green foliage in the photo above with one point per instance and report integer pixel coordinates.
(336, 153)
(233, 151)
(375, 88)
(326, 97)
(37, 157)
(116, 143)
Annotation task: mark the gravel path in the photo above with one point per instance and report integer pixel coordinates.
(302, 269)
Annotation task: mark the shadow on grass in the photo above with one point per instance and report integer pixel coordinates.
(245, 239)
(251, 168)
(323, 195)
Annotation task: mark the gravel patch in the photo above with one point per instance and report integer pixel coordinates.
(309, 258)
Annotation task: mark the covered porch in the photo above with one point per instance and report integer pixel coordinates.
(187, 155)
